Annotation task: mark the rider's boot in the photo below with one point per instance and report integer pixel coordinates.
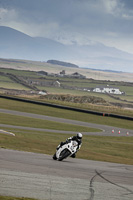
(73, 155)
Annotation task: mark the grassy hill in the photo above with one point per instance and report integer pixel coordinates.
(21, 77)
(18, 79)
(50, 68)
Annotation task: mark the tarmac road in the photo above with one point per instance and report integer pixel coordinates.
(25, 174)
(38, 176)
(106, 130)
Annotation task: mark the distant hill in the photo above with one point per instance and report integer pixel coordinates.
(65, 64)
(105, 70)
(17, 45)
(46, 68)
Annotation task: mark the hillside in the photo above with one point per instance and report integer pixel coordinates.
(17, 45)
(69, 90)
(65, 64)
(50, 68)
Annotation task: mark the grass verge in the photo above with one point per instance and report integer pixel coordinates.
(62, 113)
(101, 148)
(40, 123)
(110, 149)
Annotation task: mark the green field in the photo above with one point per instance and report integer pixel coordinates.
(23, 73)
(82, 83)
(109, 104)
(61, 113)
(15, 198)
(11, 85)
(39, 123)
(102, 148)
(111, 149)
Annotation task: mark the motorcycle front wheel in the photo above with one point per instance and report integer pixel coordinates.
(54, 157)
(64, 154)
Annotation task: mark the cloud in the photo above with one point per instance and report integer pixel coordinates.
(2, 12)
(7, 15)
(68, 21)
(128, 4)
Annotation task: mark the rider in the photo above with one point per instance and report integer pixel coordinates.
(77, 138)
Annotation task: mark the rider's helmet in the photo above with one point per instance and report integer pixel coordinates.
(79, 136)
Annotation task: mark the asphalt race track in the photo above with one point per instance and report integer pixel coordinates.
(106, 130)
(25, 174)
(39, 176)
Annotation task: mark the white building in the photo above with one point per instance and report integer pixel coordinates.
(56, 84)
(107, 89)
(42, 93)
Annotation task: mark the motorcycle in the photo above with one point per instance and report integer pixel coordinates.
(66, 150)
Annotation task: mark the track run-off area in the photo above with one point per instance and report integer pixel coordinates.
(25, 174)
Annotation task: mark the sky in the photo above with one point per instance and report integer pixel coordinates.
(73, 21)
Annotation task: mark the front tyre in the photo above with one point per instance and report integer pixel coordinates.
(64, 154)
(54, 157)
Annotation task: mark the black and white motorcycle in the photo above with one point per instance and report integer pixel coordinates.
(66, 150)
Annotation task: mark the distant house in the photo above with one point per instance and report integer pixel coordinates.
(77, 75)
(62, 72)
(56, 84)
(42, 93)
(43, 73)
(107, 89)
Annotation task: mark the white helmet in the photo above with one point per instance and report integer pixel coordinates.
(79, 136)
